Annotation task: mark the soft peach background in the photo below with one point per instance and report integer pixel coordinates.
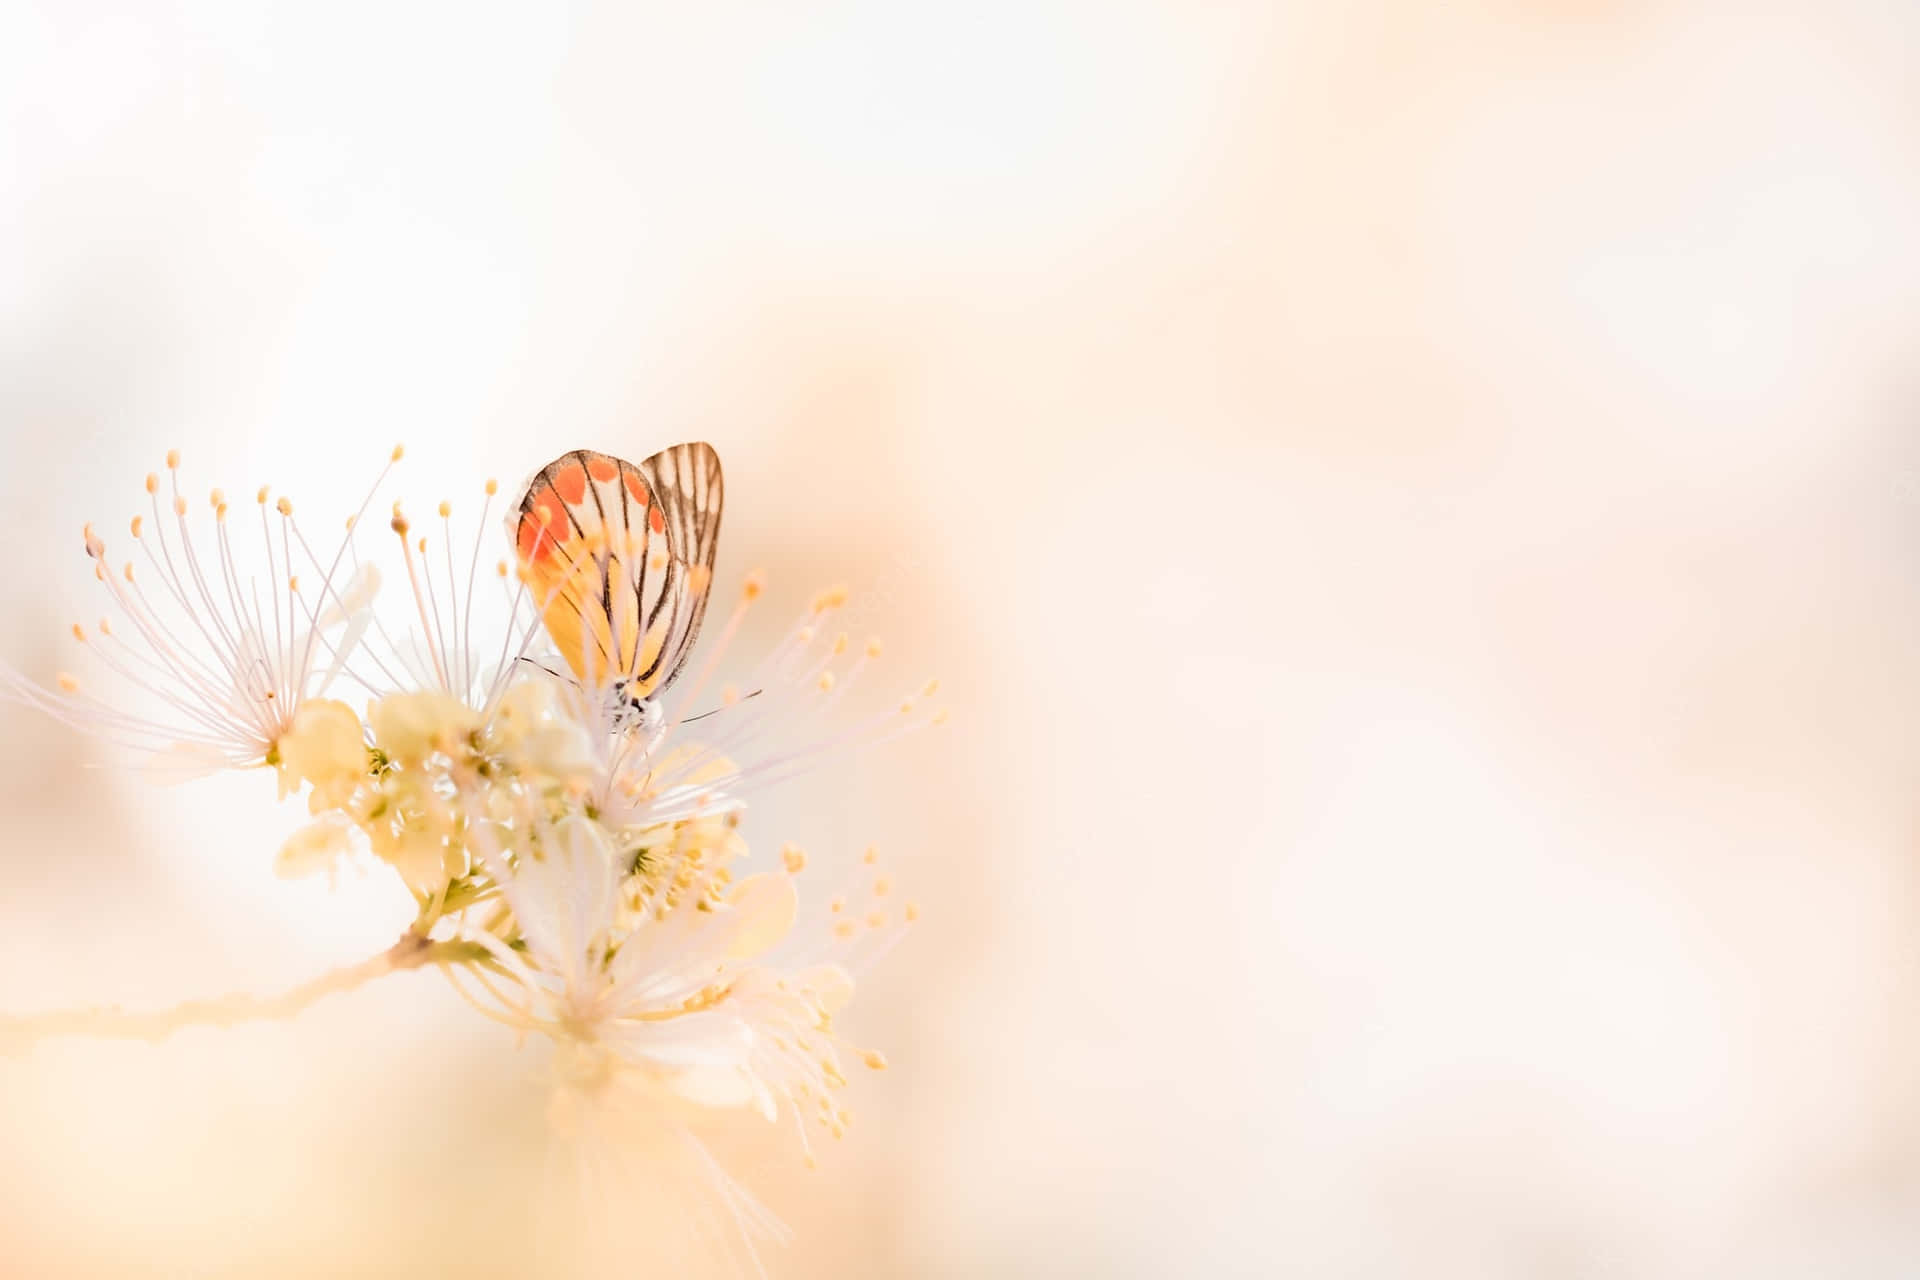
(1416, 508)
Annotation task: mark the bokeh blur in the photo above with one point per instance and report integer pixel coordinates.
(1416, 507)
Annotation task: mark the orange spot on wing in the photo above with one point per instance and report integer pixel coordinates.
(531, 544)
(554, 514)
(603, 469)
(636, 487)
(655, 521)
(543, 526)
(570, 482)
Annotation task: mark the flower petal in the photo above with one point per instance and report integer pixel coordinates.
(709, 1039)
(565, 900)
(354, 598)
(763, 908)
(314, 848)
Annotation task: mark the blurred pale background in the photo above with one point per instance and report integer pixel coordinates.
(1417, 507)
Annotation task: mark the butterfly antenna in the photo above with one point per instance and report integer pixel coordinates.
(539, 665)
(717, 710)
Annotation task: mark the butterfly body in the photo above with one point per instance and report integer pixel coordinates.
(619, 558)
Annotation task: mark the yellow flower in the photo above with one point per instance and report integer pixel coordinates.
(411, 726)
(316, 847)
(426, 853)
(324, 747)
(531, 728)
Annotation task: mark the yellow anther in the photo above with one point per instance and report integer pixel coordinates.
(79, 633)
(153, 482)
(493, 486)
(260, 494)
(875, 1060)
(220, 512)
(135, 526)
(826, 681)
(873, 647)
(880, 886)
(284, 506)
(930, 688)
(840, 644)
(173, 459)
(399, 451)
(831, 598)
(422, 544)
(913, 912)
(872, 854)
(446, 509)
(179, 506)
(128, 570)
(755, 584)
(837, 905)
(67, 683)
(794, 857)
(105, 629)
(216, 499)
(876, 920)
(293, 584)
(845, 929)
(501, 568)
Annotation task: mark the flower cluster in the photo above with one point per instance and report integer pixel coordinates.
(579, 869)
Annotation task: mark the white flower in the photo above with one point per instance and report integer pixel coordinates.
(677, 998)
(659, 988)
(782, 726)
(226, 648)
(442, 645)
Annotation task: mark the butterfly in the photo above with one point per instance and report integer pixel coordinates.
(619, 559)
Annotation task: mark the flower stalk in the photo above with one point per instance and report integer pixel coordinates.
(111, 1022)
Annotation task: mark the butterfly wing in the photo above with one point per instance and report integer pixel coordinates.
(690, 494)
(592, 546)
(599, 542)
